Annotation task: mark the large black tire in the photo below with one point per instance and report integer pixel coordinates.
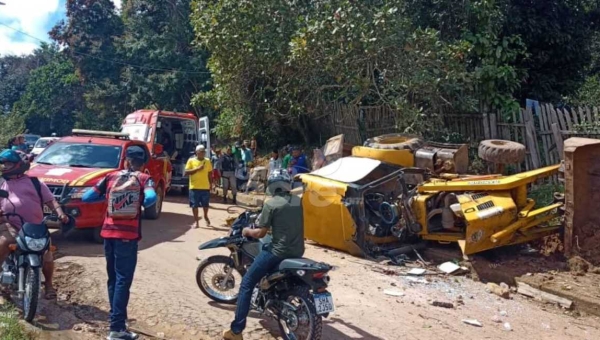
(226, 261)
(395, 141)
(153, 212)
(32, 293)
(499, 151)
(303, 293)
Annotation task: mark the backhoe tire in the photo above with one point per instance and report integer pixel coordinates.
(395, 141)
(499, 151)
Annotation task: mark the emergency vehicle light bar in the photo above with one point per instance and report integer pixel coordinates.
(96, 133)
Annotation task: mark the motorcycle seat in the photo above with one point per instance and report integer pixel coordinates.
(296, 263)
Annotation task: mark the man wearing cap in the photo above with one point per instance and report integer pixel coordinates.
(199, 169)
(127, 191)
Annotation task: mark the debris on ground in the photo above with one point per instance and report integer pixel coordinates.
(449, 267)
(539, 295)
(417, 271)
(502, 291)
(392, 292)
(507, 326)
(472, 322)
(578, 265)
(442, 304)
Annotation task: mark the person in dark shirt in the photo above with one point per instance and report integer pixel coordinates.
(228, 164)
(282, 216)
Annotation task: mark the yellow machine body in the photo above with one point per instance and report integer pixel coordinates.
(485, 211)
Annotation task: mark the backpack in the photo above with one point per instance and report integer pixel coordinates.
(125, 196)
(38, 188)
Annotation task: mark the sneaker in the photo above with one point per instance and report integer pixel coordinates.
(230, 335)
(124, 335)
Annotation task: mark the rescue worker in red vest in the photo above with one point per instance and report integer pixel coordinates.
(127, 191)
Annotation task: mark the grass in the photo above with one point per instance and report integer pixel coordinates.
(544, 194)
(10, 328)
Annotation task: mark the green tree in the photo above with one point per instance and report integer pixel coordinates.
(283, 67)
(164, 69)
(52, 99)
(90, 33)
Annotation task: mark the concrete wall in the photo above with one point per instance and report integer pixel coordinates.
(582, 197)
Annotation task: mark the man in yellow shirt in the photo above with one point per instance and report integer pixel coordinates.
(199, 169)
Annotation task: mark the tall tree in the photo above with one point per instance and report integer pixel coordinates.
(164, 68)
(52, 99)
(90, 33)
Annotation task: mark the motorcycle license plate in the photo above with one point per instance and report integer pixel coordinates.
(47, 211)
(323, 303)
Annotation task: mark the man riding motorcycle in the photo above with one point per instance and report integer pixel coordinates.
(282, 215)
(27, 196)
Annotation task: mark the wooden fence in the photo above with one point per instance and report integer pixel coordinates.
(542, 130)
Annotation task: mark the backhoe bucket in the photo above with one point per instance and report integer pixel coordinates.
(582, 198)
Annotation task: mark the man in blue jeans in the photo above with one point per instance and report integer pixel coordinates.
(126, 192)
(282, 215)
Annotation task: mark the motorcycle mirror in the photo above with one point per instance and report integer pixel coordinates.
(3, 194)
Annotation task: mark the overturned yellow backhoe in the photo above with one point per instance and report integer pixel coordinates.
(379, 199)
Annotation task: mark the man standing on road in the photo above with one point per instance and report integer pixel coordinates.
(126, 191)
(228, 166)
(199, 169)
(282, 215)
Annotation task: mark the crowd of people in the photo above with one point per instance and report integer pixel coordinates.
(231, 165)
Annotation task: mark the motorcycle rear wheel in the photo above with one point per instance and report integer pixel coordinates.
(207, 287)
(307, 306)
(32, 293)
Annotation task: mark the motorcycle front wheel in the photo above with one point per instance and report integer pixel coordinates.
(214, 281)
(303, 323)
(32, 293)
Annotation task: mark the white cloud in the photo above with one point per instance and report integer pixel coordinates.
(35, 17)
(31, 16)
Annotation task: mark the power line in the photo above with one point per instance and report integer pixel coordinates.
(109, 60)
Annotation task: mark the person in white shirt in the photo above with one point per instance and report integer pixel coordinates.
(274, 162)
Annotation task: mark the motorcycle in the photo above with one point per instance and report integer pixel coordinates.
(23, 266)
(295, 294)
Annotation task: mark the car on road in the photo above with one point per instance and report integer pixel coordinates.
(41, 144)
(30, 140)
(72, 165)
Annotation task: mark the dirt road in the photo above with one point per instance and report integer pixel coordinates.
(166, 303)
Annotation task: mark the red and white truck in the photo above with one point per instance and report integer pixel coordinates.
(177, 133)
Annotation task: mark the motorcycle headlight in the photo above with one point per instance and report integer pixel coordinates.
(78, 192)
(35, 244)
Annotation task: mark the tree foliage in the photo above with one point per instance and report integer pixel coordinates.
(277, 66)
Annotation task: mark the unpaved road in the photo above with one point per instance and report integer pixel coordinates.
(166, 302)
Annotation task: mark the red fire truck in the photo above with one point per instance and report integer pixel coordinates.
(177, 133)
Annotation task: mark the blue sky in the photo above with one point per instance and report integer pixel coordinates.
(36, 17)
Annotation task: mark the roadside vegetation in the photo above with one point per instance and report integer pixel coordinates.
(275, 76)
(10, 328)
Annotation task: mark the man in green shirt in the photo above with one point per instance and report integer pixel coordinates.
(237, 152)
(286, 159)
(282, 215)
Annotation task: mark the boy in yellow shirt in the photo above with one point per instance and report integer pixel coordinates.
(199, 169)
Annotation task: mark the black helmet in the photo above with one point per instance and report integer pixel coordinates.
(19, 162)
(136, 154)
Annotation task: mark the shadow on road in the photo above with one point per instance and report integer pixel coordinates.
(168, 228)
(329, 330)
